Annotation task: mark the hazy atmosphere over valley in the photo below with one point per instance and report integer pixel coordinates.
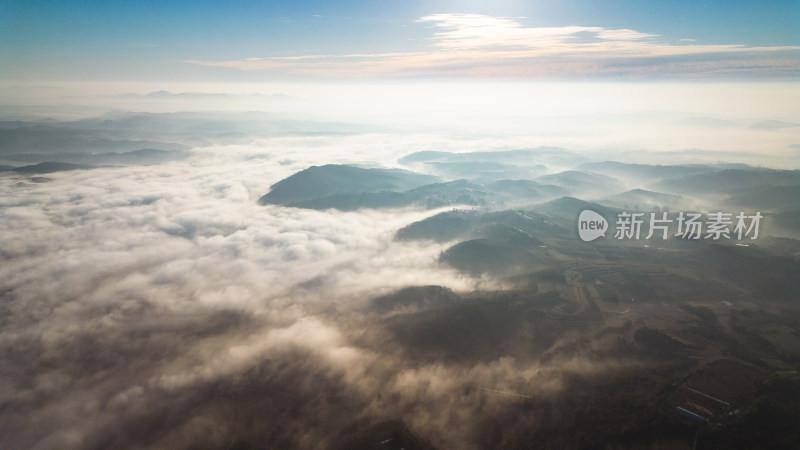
(361, 225)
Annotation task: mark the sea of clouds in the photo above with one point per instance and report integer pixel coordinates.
(161, 306)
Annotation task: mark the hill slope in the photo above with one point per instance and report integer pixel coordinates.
(323, 181)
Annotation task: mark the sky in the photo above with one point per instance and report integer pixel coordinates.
(249, 41)
(466, 67)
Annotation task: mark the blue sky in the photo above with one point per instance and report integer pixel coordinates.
(250, 40)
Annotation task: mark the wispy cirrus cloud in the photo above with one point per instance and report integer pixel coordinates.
(479, 45)
(473, 31)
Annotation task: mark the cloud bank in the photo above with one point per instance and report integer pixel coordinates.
(161, 307)
(486, 46)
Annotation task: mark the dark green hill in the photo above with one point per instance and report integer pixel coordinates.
(508, 255)
(526, 190)
(541, 155)
(729, 182)
(463, 224)
(50, 167)
(442, 227)
(318, 182)
(565, 210)
(646, 172)
(415, 298)
(581, 182)
(640, 199)
(496, 165)
(773, 198)
(459, 192)
(349, 188)
(485, 171)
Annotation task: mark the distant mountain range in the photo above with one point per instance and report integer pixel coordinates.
(527, 157)
(640, 199)
(583, 183)
(46, 167)
(145, 156)
(47, 138)
(491, 166)
(645, 172)
(774, 125)
(728, 182)
(123, 131)
(557, 195)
